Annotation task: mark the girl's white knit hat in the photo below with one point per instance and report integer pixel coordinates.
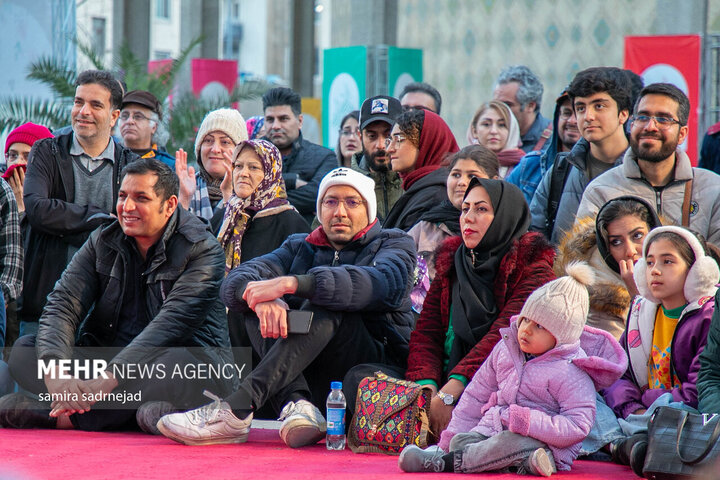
(561, 306)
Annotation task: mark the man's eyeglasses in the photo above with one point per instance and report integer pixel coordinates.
(350, 132)
(136, 116)
(13, 156)
(350, 203)
(663, 123)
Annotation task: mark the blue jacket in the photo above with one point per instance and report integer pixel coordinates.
(372, 275)
(710, 150)
(529, 172)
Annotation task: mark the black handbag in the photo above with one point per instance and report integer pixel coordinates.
(682, 445)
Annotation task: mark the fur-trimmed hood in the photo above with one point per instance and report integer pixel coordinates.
(608, 294)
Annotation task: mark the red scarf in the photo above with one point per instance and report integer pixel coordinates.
(510, 158)
(436, 141)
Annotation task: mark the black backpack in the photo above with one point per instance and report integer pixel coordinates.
(560, 170)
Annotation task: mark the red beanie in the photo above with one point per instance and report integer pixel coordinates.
(28, 134)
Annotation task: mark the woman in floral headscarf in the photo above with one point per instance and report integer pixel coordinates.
(258, 217)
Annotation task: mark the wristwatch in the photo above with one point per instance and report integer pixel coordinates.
(446, 398)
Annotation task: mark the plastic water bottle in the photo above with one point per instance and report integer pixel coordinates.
(335, 439)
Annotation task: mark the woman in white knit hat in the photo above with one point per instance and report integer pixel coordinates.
(201, 192)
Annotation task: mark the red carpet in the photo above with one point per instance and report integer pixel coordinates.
(59, 455)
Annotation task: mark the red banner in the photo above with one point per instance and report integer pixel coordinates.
(208, 70)
(670, 59)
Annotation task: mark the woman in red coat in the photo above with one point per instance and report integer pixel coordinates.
(483, 278)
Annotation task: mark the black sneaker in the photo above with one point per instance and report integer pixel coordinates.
(637, 456)
(149, 413)
(20, 411)
(620, 450)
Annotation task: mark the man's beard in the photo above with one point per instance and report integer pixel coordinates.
(373, 163)
(642, 153)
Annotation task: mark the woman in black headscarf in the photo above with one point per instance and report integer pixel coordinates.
(443, 220)
(483, 278)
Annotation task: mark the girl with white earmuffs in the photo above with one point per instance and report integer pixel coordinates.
(666, 331)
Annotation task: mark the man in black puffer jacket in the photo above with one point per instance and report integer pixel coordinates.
(147, 285)
(353, 276)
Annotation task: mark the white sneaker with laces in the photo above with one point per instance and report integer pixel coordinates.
(539, 463)
(302, 424)
(210, 424)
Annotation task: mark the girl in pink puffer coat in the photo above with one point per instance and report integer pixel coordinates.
(532, 402)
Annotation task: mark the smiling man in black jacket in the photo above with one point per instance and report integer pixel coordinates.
(70, 189)
(147, 284)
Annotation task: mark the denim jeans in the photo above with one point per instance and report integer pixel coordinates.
(639, 423)
(605, 429)
(28, 328)
(497, 453)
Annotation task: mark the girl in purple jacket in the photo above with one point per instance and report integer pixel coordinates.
(532, 402)
(666, 332)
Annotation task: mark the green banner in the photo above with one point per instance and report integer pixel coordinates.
(404, 66)
(344, 76)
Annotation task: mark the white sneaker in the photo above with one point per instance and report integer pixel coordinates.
(210, 424)
(539, 463)
(303, 424)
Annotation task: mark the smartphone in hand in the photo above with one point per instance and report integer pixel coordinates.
(299, 321)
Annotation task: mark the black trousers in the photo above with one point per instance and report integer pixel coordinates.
(182, 393)
(302, 366)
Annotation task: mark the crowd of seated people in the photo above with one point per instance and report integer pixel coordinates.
(441, 265)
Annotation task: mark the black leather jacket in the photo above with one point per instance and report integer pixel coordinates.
(182, 300)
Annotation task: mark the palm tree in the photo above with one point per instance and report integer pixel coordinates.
(185, 113)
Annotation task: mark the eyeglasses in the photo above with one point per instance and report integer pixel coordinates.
(12, 156)
(397, 138)
(350, 133)
(662, 123)
(136, 116)
(350, 203)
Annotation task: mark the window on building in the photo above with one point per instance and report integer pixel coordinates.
(235, 11)
(97, 38)
(162, 55)
(162, 8)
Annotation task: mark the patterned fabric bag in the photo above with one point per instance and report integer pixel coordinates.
(389, 414)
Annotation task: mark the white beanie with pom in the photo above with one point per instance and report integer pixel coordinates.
(561, 306)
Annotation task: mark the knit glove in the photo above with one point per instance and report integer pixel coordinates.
(519, 419)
